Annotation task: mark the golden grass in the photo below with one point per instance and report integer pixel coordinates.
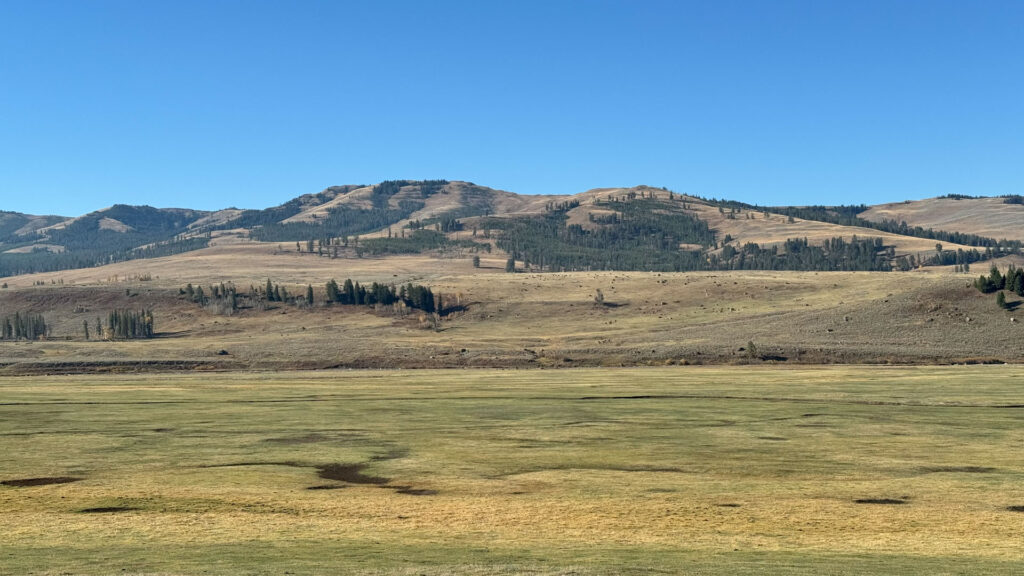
(989, 217)
(602, 471)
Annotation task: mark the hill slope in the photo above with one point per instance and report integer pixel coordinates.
(991, 217)
(636, 228)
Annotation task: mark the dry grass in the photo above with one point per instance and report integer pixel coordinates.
(517, 319)
(702, 470)
(983, 216)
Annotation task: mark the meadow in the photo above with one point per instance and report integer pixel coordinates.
(698, 470)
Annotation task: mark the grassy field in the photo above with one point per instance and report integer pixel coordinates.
(701, 470)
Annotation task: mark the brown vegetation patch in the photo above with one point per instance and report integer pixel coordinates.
(889, 501)
(305, 439)
(959, 469)
(107, 509)
(26, 482)
(351, 473)
(413, 491)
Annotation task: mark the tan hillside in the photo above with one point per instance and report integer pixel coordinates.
(990, 217)
(548, 319)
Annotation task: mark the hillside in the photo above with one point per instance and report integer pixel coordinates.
(992, 217)
(636, 228)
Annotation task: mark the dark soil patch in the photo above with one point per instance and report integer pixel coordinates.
(959, 469)
(289, 463)
(351, 473)
(26, 482)
(891, 501)
(163, 429)
(307, 439)
(728, 505)
(325, 487)
(413, 491)
(107, 509)
(773, 438)
(1015, 508)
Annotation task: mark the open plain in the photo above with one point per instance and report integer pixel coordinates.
(695, 469)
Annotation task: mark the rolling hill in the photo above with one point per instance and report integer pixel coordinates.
(992, 217)
(636, 228)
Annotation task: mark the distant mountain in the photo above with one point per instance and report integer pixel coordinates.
(636, 228)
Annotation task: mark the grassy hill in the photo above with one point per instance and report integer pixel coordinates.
(639, 228)
(992, 217)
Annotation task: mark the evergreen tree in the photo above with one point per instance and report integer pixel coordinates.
(333, 295)
(309, 295)
(1001, 300)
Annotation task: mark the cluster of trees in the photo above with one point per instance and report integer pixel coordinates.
(23, 327)
(645, 236)
(1012, 281)
(412, 295)
(227, 299)
(868, 254)
(129, 324)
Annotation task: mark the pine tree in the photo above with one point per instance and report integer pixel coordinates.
(1001, 300)
(332, 292)
(85, 328)
(309, 295)
(476, 261)
(510, 265)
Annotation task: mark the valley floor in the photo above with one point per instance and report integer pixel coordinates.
(702, 470)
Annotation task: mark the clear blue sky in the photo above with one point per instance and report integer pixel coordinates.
(214, 103)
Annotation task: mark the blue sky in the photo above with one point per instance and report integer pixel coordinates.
(246, 103)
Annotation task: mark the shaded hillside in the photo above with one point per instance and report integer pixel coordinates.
(117, 233)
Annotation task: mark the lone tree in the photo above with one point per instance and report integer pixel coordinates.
(1001, 300)
(510, 265)
(476, 261)
(309, 295)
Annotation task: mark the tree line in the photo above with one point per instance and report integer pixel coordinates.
(227, 299)
(23, 327)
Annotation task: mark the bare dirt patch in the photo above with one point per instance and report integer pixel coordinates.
(26, 482)
(351, 473)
